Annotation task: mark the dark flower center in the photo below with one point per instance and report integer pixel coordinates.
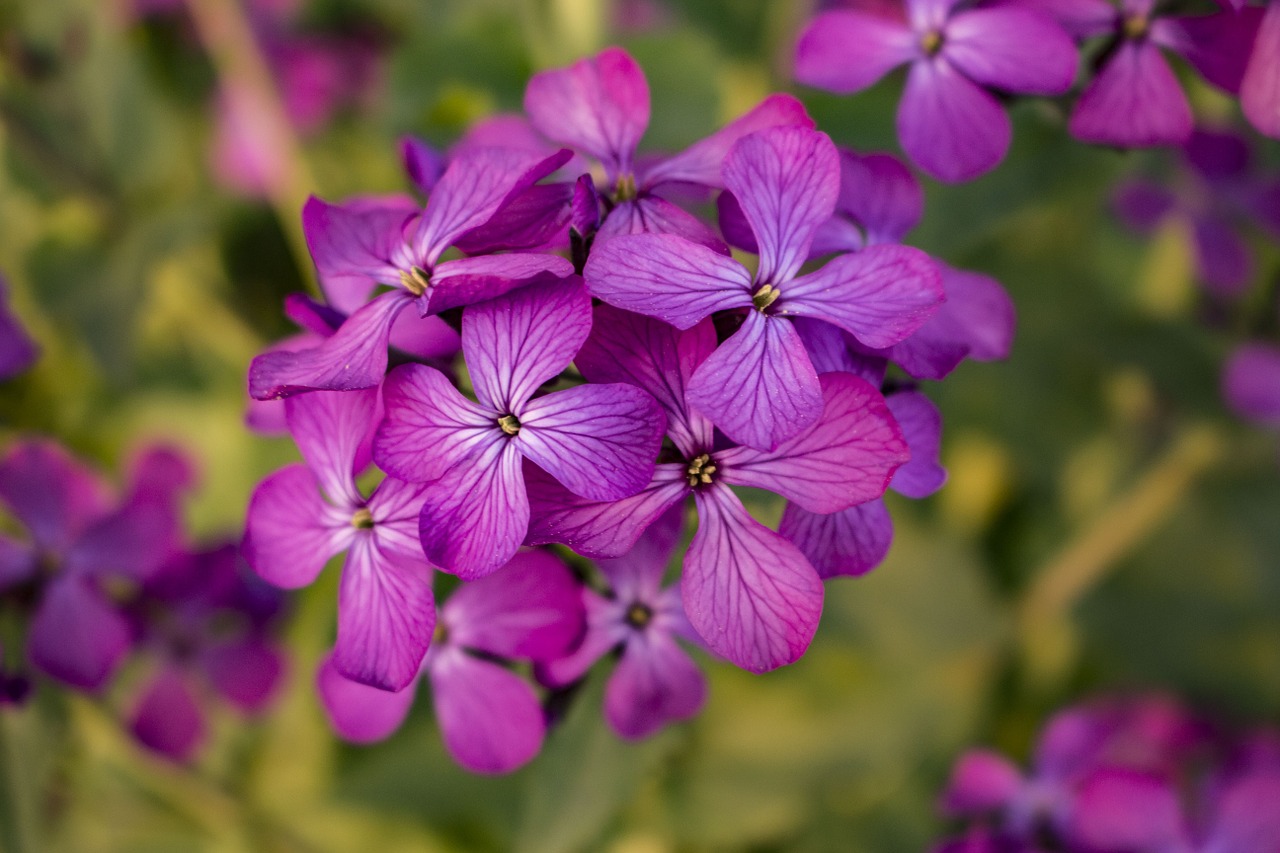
(509, 424)
(1136, 26)
(362, 519)
(931, 43)
(416, 280)
(765, 296)
(700, 469)
(639, 615)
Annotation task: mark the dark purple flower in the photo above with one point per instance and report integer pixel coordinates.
(367, 243)
(759, 386)
(1260, 89)
(17, 350)
(599, 441)
(489, 716)
(949, 121)
(303, 515)
(1251, 383)
(750, 594)
(655, 682)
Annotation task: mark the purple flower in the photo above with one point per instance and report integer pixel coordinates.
(489, 716)
(17, 350)
(599, 441)
(748, 592)
(759, 386)
(600, 107)
(1260, 89)
(368, 243)
(303, 515)
(1251, 383)
(655, 682)
(949, 121)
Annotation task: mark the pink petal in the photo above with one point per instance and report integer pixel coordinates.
(1011, 49)
(1260, 89)
(921, 424)
(245, 672)
(604, 634)
(517, 342)
(333, 430)
(1118, 809)
(1135, 100)
(846, 458)
(290, 533)
(532, 219)
(598, 105)
(1251, 383)
(949, 126)
(357, 712)
(982, 781)
(599, 441)
(167, 718)
(880, 193)
(357, 246)
(76, 636)
(1246, 819)
(846, 51)
(489, 717)
(786, 180)
(429, 426)
(850, 542)
(655, 683)
(467, 281)
(759, 387)
(50, 492)
(666, 277)
(638, 573)
(749, 593)
(879, 295)
(426, 338)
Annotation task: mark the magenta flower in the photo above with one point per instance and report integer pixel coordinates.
(759, 386)
(655, 681)
(950, 122)
(368, 243)
(303, 515)
(748, 592)
(17, 351)
(600, 441)
(489, 716)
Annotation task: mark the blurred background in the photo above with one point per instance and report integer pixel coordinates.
(1107, 525)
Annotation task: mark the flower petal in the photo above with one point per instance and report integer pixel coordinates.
(846, 51)
(1011, 49)
(357, 246)
(982, 781)
(429, 426)
(846, 458)
(651, 214)
(786, 180)
(921, 424)
(879, 295)
(881, 194)
(290, 533)
(850, 542)
(1251, 383)
(598, 105)
(1117, 809)
(19, 562)
(637, 574)
(1134, 100)
(532, 219)
(515, 343)
(1260, 89)
(666, 277)
(749, 593)
(50, 492)
(949, 126)
(1217, 45)
(489, 717)
(467, 281)
(333, 431)
(246, 672)
(357, 712)
(76, 636)
(167, 718)
(423, 164)
(655, 683)
(386, 615)
(759, 387)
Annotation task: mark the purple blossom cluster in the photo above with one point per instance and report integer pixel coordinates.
(554, 349)
(964, 57)
(1133, 775)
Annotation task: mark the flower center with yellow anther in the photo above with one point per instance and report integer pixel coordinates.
(639, 615)
(1136, 26)
(509, 424)
(931, 43)
(362, 519)
(440, 634)
(416, 280)
(700, 469)
(765, 296)
(625, 190)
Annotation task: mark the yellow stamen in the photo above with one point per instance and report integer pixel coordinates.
(362, 519)
(416, 280)
(700, 469)
(509, 424)
(765, 296)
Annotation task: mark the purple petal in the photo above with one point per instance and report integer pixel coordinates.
(758, 387)
(830, 352)
(357, 246)
(1011, 49)
(355, 357)
(653, 356)
(246, 672)
(604, 634)
(1251, 383)
(1118, 809)
(921, 424)
(749, 593)
(949, 126)
(76, 636)
(429, 426)
(846, 458)
(1134, 100)
(489, 717)
(650, 214)
(976, 321)
(1224, 259)
(51, 493)
(1246, 819)
(1216, 45)
(467, 281)
(476, 516)
(585, 218)
(850, 542)
(599, 441)
(638, 573)
(357, 712)
(982, 781)
(655, 683)
(1260, 89)
(700, 163)
(532, 219)
(1219, 155)
(167, 718)
(1081, 18)
(1142, 204)
(786, 179)
(879, 295)
(880, 193)
(531, 608)
(847, 51)
(477, 184)
(333, 431)
(386, 615)
(290, 533)
(517, 342)
(598, 528)
(133, 542)
(19, 562)
(17, 350)
(423, 164)
(426, 338)
(598, 105)
(666, 277)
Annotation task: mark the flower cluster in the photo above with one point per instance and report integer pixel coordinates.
(558, 348)
(963, 56)
(1133, 775)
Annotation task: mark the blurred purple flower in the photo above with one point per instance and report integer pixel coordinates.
(1251, 383)
(17, 351)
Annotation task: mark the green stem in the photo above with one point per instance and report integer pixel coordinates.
(12, 815)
